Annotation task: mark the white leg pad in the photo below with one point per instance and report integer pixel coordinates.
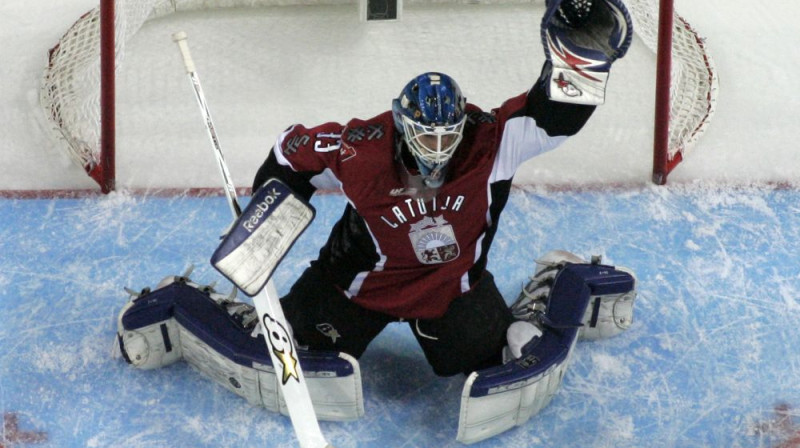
(151, 346)
(558, 303)
(498, 398)
(608, 313)
(508, 405)
(335, 398)
(180, 321)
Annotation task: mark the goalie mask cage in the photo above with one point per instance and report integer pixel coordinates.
(78, 86)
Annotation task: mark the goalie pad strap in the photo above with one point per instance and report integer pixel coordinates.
(179, 321)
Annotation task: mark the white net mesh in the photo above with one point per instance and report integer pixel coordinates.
(70, 92)
(694, 82)
(69, 88)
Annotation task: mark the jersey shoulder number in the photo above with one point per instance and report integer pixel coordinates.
(327, 142)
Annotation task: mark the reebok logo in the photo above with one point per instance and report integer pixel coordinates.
(261, 210)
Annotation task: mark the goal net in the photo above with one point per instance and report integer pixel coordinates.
(686, 91)
(77, 90)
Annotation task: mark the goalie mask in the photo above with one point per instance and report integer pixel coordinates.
(429, 114)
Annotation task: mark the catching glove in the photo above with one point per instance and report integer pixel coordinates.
(581, 39)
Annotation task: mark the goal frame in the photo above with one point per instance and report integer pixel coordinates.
(667, 154)
(105, 171)
(665, 158)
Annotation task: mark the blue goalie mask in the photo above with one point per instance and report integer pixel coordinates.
(429, 114)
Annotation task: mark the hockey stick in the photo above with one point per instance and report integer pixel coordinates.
(230, 190)
(295, 392)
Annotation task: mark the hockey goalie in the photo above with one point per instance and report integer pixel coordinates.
(425, 183)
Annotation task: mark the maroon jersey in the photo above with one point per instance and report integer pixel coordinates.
(396, 253)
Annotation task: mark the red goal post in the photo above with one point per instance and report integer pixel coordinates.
(78, 86)
(687, 83)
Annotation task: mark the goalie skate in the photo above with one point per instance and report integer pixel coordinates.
(222, 339)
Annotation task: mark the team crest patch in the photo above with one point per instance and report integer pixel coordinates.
(434, 241)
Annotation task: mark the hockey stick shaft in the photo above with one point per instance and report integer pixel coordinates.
(230, 191)
(267, 303)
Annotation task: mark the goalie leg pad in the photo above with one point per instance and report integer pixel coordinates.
(613, 294)
(610, 310)
(497, 399)
(567, 299)
(149, 344)
(181, 320)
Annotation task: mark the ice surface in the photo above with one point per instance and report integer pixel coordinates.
(710, 361)
(711, 351)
